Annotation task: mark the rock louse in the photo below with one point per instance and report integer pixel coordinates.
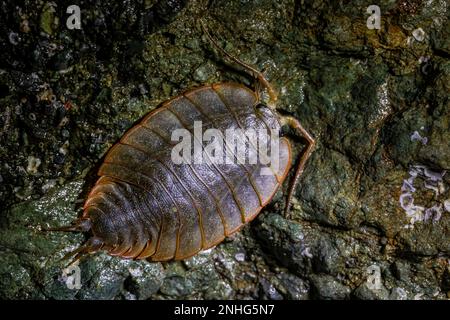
(144, 206)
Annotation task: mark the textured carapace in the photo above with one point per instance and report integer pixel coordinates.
(146, 206)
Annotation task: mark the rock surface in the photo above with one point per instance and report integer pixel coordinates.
(370, 97)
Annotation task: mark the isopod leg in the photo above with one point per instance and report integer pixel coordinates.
(295, 124)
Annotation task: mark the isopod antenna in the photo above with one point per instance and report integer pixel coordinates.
(251, 70)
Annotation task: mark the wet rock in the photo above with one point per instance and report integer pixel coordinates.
(367, 292)
(401, 270)
(293, 288)
(145, 279)
(34, 252)
(219, 290)
(329, 259)
(326, 287)
(398, 293)
(176, 286)
(269, 290)
(106, 277)
(284, 240)
(202, 73)
(199, 277)
(332, 202)
(15, 281)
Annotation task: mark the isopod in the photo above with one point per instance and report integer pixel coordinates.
(143, 206)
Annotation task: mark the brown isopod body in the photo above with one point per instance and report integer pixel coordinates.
(146, 206)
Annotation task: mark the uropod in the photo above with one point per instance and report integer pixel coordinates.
(145, 206)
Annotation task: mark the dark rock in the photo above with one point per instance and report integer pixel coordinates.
(294, 288)
(365, 292)
(326, 287)
(145, 279)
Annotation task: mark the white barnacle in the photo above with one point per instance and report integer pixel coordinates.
(306, 253)
(415, 213)
(419, 34)
(408, 186)
(437, 216)
(433, 185)
(447, 205)
(419, 169)
(33, 164)
(406, 201)
(413, 173)
(441, 187)
(434, 212)
(433, 175)
(240, 256)
(417, 137)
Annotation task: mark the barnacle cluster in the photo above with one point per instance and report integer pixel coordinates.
(432, 180)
